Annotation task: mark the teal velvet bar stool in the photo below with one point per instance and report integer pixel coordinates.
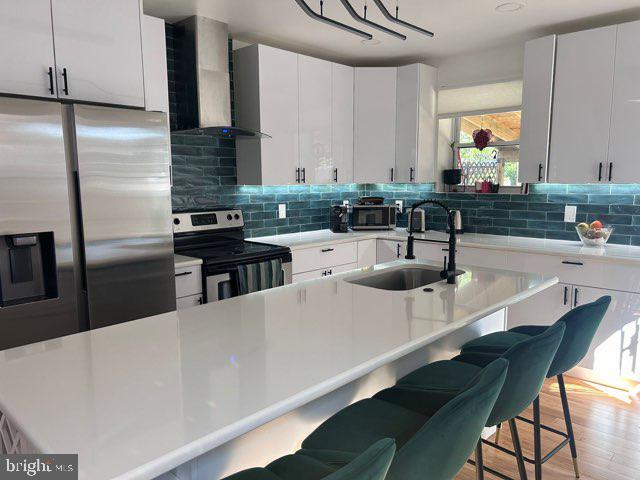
(581, 325)
(434, 384)
(372, 464)
(431, 445)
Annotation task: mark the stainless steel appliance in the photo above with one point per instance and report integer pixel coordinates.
(217, 237)
(418, 220)
(457, 222)
(85, 209)
(339, 219)
(373, 217)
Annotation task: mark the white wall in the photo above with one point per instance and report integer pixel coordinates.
(500, 64)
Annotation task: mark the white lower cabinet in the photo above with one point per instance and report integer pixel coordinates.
(390, 250)
(323, 272)
(188, 302)
(367, 253)
(556, 301)
(188, 287)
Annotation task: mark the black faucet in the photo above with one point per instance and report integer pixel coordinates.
(449, 271)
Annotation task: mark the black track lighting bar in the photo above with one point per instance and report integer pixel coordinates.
(395, 19)
(329, 21)
(361, 19)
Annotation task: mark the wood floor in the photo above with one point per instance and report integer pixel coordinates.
(606, 423)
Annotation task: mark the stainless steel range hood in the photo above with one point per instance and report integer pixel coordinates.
(203, 91)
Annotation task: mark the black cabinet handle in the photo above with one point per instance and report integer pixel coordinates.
(330, 272)
(335, 175)
(325, 250)
(575, 297)
(600, 172)
(200, 301)
(304, 175)
(297, 175)
(539, 172)
(183, 274)
(398, 251)
(566, 294)
(610, 170)
(392, 174)
(567, 262)
(51, 90)
(66, 83)
(411, 174)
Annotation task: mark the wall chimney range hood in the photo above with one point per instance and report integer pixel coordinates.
(203, 90)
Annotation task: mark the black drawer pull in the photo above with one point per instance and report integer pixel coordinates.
(575, 297)
(567, 262)
(325, 250)
(600, 172)
(183, 274)
(610, 171)
(335, 175)
(539, 172)
(566, 294)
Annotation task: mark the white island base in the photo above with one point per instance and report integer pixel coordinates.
(284, 435)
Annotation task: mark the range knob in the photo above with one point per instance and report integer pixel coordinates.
(236, 216)
(229, 217)
(176, 221)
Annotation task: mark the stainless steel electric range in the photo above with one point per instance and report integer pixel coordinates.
(217, 237)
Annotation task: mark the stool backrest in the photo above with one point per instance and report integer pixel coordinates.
(373, 464)
(529, 363)
(581, 325)
(442, 446)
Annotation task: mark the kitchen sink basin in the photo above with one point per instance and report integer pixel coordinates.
(398, 279)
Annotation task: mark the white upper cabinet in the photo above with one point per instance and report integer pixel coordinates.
(582, 102)
(266, 95)
(416, 125)
(537, 96)
(625, 117)
(375, 124)
(27, 48)
(154, 56)
(342, 123)
(314, 110)
(99, 51)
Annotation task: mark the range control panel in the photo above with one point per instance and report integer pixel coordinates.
(202, 221)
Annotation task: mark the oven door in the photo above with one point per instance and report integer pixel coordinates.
(222, 282)
(373, 217)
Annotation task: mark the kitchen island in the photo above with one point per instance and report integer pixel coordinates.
(216, 388)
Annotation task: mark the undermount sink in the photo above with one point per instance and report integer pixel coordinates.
(398, 279)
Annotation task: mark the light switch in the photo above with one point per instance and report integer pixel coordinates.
(282, 210)
(570, 213)
(399, 204)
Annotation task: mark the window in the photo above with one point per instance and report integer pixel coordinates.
(499, 161)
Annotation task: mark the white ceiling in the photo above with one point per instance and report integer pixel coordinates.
(461, 26)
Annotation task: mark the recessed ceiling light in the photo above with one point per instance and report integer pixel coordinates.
(371, 42)
(509, 7)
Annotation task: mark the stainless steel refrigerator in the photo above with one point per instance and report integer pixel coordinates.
(85, 211)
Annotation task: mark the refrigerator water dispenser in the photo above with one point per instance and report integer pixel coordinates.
(27, 268)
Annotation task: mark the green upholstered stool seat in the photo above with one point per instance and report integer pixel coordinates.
(581, 324)
(371, 464)
(428, 447)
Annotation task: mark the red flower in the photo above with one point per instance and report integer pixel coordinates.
(481, 138)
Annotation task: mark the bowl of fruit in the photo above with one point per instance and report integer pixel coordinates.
(594, 234)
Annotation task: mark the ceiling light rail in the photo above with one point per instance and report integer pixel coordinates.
(361, 19)
(397, 20)
(329, 21)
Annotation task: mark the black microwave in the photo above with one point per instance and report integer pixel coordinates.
(373, 217)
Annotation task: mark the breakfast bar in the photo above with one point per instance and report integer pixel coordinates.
(210, 390)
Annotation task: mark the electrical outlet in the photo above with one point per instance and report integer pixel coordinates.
(399, 204)
(570, 213)
(282, 210)
(345, 203)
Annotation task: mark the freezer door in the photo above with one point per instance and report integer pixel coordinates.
(34, 199)
(123, 162)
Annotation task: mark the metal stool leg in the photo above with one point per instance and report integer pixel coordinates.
(479, 461)
(517, 449)
(569, 424)
(498, 429)
(537, 440)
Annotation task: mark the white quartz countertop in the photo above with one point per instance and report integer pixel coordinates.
(611, 252)
(137, 399)
(182, 261)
